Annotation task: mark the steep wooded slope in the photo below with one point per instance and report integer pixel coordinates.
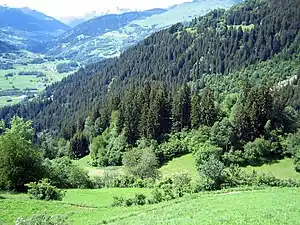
(219, 43)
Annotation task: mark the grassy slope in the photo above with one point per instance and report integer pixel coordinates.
(75, 201)
(183, 164)
(85, 163)
(269, 206)
(281, 169)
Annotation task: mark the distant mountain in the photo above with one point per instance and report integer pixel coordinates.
(28, 28)
(80, 42)
(25, 19)
(108, 36)
(5, 47)
(74, 21)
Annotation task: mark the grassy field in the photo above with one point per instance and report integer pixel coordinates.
(274, 206)
(183, 164)
(281, 169)
(75, 201)
(100, 198)
(32, 82)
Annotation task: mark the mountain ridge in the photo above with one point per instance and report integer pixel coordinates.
(85, 44)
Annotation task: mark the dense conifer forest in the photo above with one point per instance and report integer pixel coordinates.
(233, 72)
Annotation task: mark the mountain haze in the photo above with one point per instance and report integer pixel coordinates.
(28, 28)
(108, 36)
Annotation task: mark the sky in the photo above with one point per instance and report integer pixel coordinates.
(62, 9)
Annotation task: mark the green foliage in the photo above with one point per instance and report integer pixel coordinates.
(234, 156)
(174, 147)
(111, 180)
(259, 151)
(205, 152)
(43, 190)
(108, 148)
(79, 146)
(64, 174)
(174, 186)
(43, 219)
(20, 162)
(263, 179)
(64, 148)
(181, 183)
(297, 160)
(181, 109)
(222, 134)
(118, 201)
(138, 199)
(141, 162)
(204, 111)
(292, 144)
(213, 171)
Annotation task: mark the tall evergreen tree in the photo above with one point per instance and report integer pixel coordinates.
(181, 108)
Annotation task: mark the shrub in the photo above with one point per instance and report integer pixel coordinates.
(43, 219)
(139, 199)
(258, 151)
(118, 201)
(43, 190)
(128, 202)
(181, 184)
(234, 157)
(79, 178)
(157, 196)
(213, 171)
(141, 163)
(168, 192)
(64, 174)
(233, 176)
(175, 147)
(262, 179)
(112, 180)
(292, 144)
(205, 151)
(297, 161)
(203, 184)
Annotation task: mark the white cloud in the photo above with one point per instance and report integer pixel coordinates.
(79, 8)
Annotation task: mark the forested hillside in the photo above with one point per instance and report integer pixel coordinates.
(219, 43)
(218, 97)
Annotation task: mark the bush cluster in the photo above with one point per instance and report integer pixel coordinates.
(64, 174)
(111, 180)
(43, 219)
(43, 190)
(138, 199)
(166, 189)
